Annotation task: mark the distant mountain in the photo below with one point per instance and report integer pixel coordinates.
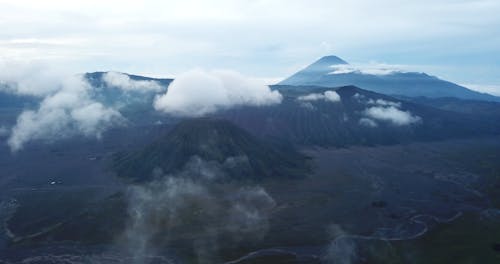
(211, 145)
(331, 71)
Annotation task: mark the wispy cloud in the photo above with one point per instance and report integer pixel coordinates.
(173, 202)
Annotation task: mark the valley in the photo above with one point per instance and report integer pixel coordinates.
(123, 168)
(405, 205)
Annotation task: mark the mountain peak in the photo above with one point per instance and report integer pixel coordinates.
(320, 67)
(330, 60)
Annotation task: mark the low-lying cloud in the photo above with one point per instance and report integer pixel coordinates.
(124, 82)
(199, 92)
(385, 111)
(66, 110)
(330, 96)
(382, 102)
(391, 114)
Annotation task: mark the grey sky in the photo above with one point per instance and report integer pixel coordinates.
(454, 39)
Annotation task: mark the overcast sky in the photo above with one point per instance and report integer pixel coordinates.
(453, 39)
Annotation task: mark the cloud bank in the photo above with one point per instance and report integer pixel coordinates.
(67, 109)
(124, 82)
(199, 92)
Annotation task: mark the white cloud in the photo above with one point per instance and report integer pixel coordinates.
(311, 97)
(123, 81)
(67, 112)
(29, 78)
(199, 92)
(383, 102)
(385, 110)
(391, 114)
(358, 97)
(93, 118)
(330, 96)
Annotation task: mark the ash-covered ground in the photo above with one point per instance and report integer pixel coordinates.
(413, 202)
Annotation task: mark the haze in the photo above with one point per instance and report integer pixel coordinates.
(455, 40)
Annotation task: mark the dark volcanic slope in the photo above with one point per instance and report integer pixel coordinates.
(412, 84)
(96, 79)
(460, 105)
(326, 123)
(211, 142)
